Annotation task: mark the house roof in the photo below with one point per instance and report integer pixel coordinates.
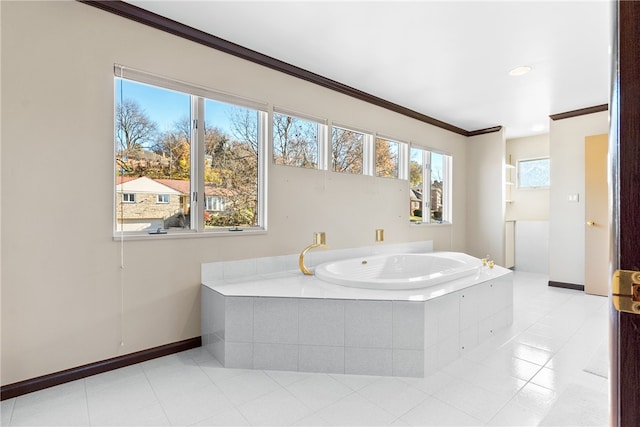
(183, 187)
(123, 179)
(212, 190)
(144, 185)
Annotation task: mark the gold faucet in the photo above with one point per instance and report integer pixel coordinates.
(319, 241)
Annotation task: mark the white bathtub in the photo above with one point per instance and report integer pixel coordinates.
(399, 271)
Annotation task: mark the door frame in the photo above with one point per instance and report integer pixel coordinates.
(624, 177)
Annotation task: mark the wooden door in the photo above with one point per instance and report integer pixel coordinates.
(625, 178)
(596, 236)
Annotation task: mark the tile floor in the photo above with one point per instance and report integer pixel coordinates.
(534, 373)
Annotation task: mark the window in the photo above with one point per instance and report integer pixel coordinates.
(295, 141)
(171, 162)
(534, 173)
(389, 158)
(232, 168)
(347, 150)
(214, 203)
(430, 175)
(128, 198)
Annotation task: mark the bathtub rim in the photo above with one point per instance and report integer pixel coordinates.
(294, 284)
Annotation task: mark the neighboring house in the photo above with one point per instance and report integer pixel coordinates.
(436, 197)
(147, 204)
(415, 200)
(217, 199)
(144, 203)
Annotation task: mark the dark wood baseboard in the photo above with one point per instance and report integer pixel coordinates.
(34, 384)
(566, 285)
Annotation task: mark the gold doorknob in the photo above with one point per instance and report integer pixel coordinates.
(591, 223)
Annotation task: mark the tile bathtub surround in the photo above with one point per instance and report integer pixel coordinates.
(343, 336)
(535, 372)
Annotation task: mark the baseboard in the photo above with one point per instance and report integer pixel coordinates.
(566, 285)
(34, 384)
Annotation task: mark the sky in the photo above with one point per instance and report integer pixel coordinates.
(165, 107)
(436, 162)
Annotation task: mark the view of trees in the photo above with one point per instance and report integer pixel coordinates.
(386, 158)
(144, 151)
(295, 141)
(148, 146)
(346, 150)
(231, 169)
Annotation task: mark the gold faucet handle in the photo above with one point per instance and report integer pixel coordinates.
(320, 238)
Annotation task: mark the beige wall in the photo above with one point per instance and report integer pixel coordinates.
(566, 219)
(61, 273)
(485, 196)
(527, 204)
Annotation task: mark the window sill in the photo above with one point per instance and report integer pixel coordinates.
(430, 224)
(187, 234)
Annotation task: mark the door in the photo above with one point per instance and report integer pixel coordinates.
(625, 231)
(596, 259)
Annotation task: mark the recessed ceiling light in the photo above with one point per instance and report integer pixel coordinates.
(519, 71)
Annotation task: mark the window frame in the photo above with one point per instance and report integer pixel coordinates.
(198, 95)
(367, 150)
(321, 138)
(160, 199)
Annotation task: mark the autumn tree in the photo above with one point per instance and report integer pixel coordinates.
(386, 158)
(415, 174)
(175, 150)
(233, 168)
(346, 150)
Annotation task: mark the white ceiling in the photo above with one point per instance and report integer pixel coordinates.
(446, 59)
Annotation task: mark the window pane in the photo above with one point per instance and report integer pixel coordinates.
(534, 173)
(231, 165)
(153, 156)
(295, 141)
(387, 158)
(430, 175)
(346, 150)
(437, 177)
(415, 182)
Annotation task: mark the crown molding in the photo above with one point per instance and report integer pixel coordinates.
(580, 112)
(162, 23)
